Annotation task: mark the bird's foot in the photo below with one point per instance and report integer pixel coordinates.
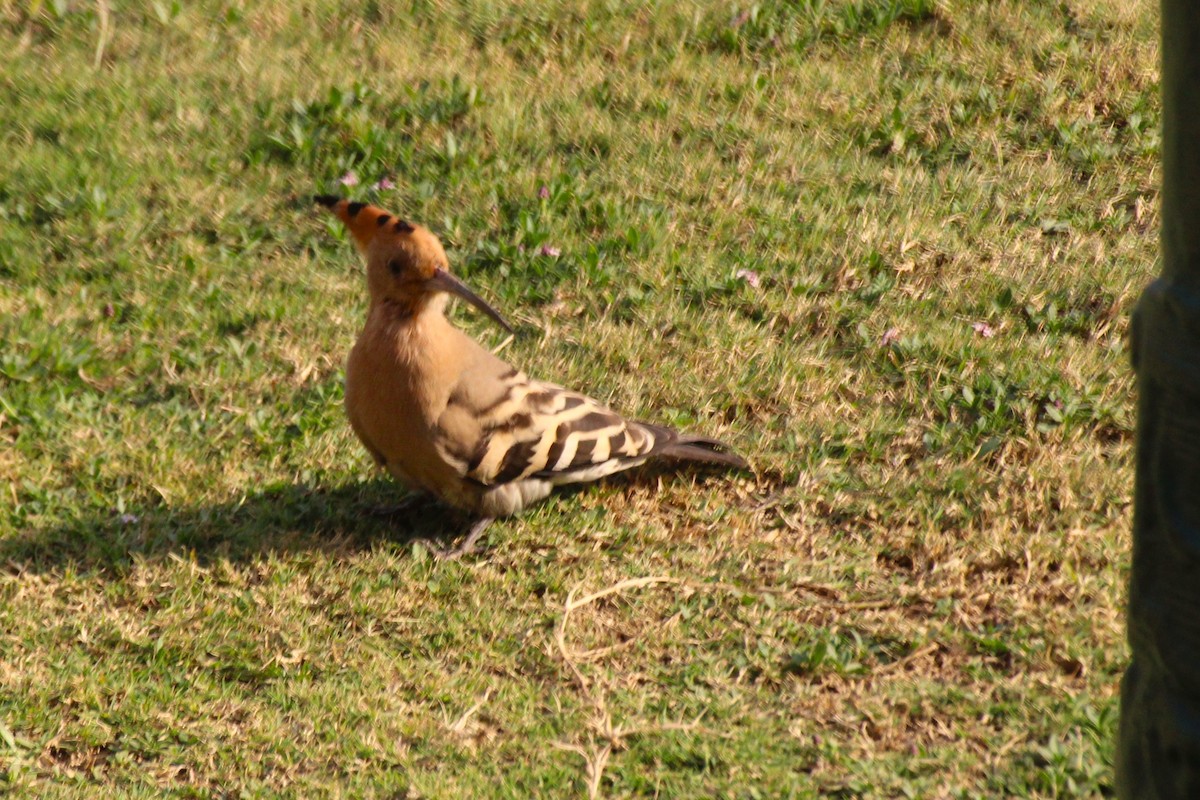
(466, 547)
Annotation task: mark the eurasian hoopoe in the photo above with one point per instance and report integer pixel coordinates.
(444, 415)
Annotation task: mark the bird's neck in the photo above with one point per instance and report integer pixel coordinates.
(414, 333)
(421, 349)
(403, 310)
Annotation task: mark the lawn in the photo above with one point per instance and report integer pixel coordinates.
(888, 249)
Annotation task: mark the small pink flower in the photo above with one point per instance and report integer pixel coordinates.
(349, 179)
(749, 276)
(553, 252)
(890, 337)
(544, 192)
(984, 330)
(384, 184)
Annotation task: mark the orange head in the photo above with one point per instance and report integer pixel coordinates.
(406, 265)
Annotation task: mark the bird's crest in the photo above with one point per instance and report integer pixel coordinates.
(363, 220)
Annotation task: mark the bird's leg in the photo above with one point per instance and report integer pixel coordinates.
(466, 547)
(468, 544)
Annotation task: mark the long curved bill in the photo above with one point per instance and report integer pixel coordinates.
(444, 281)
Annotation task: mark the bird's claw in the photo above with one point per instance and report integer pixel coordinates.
(465, 547)
(446, 553)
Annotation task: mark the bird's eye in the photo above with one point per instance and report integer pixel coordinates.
(394, 266)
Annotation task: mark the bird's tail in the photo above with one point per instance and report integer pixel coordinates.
(704, 451)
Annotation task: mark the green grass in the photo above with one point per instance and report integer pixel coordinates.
(950, 208)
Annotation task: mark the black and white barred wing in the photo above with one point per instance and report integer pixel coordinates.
(542, 431)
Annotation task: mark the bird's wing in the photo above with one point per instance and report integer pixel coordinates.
(521, 428)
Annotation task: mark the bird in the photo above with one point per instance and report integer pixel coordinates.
(445, 416)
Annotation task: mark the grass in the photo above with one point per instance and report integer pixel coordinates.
(887, 248)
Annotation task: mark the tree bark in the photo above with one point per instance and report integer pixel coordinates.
(1158, 747)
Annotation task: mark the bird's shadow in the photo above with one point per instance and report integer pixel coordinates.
(277, 519)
